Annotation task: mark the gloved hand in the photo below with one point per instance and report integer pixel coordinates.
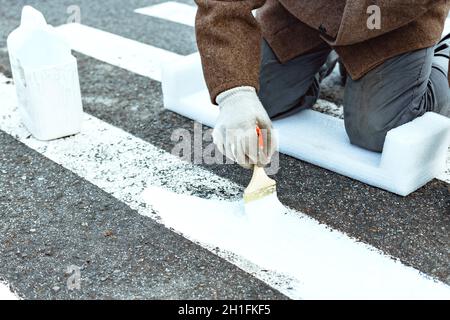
(235, 130)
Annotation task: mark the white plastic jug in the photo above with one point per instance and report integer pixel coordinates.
(46, 77)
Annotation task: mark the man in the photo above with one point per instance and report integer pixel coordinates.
(397, 70)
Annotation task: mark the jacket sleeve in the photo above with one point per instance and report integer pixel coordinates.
(229, 40)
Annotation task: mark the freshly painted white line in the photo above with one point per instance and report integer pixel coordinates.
(172, 11)
(124, 166)
(6, 294)
(134, 56)
(328, 265)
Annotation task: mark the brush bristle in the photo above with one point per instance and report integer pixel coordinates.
(261, 193)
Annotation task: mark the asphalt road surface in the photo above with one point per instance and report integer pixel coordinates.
(51, 218)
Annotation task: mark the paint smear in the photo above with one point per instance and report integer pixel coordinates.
(327, 264)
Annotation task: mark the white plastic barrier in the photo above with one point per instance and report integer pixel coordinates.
(414, 153)
(46, 78)
(446, 27)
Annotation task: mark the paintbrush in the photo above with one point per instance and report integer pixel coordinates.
(260, 186)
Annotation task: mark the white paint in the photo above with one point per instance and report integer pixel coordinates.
(413, 153)
(327, 265)
(124, 166)
(172, 11)
(131, 55)
(6, 294)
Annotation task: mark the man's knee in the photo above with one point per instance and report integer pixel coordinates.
(286, 88)
(283, 102)
(386, 98)
(367, 128)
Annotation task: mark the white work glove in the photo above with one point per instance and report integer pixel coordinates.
(235, 130)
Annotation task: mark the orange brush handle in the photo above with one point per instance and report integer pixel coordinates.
(260, 137)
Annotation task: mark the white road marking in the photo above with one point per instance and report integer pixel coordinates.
(134, 56)
(6, 294)
(124, 165)
(326, 264)
(172, 11)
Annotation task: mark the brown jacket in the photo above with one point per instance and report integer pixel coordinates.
(229, 37)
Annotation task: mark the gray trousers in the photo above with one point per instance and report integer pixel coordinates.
(396, 92)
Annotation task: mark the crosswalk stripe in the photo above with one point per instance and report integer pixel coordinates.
(6, 294)
(172, 11)
(134, 56)
(124, 165)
